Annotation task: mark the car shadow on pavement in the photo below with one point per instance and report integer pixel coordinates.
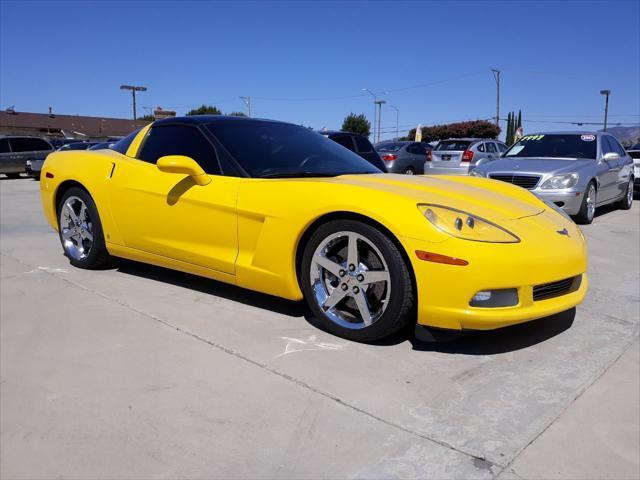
(489, 342)
(212, 287)
(503, 340)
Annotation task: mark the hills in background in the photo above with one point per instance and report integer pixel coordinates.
(626, 135)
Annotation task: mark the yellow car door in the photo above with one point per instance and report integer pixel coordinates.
(169, 214)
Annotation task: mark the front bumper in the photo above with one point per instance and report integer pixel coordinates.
(445, 291)
(570, 201)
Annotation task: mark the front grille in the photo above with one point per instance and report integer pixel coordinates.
(524, 181)
(556, 289)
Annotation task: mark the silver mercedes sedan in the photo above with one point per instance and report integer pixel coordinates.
(577, 171)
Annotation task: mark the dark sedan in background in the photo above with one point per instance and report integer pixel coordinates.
(358, 144)
(18, 153)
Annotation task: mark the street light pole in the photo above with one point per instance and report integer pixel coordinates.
(133, 89)
(496, 76)
(379, 104)
(375, 98)
(397, 117)
(606, 94)
(247, 102)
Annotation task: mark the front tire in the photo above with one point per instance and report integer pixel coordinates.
(588, 207)
(627, 200)
(356, 281)
(80, 230)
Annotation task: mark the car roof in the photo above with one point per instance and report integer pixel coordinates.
(22, 136)
(567, 132)
(336, 132)
(207, 119)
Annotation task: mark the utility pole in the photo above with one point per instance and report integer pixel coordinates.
(379, 104)
(133, 89)
(247, 102)
(375, 102)
(397, 117)
(496, 76)
(606, 94)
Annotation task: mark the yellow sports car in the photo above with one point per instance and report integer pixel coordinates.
(279, 209)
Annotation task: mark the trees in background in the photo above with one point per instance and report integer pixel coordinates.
(356, 124)
(474, 129)
(205, 110)
(513, 123)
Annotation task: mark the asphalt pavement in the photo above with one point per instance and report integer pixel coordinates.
(140, 372)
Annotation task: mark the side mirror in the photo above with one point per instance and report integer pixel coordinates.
(184, 165)
(610, 157)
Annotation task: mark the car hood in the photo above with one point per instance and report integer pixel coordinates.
(479, 196)
(534, 165)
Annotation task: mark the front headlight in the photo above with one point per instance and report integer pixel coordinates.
(465, 225)
(566, 180)
(474, 173)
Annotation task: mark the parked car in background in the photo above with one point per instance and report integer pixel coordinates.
(77, 146)
(358, 144)
(634, 152)
(459, 156)
(404, 157)
(18, 152)
(58, 142)
(577, 171)
(102, 146)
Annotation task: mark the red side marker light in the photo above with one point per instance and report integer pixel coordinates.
(48, 175)
(437, 258)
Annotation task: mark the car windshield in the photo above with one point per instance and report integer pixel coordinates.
(569, 146)
(389, 147)
(453, 145)
(272, 149)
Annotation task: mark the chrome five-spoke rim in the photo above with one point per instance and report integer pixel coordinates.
(350, 280)
(591, 201)
(76, 228)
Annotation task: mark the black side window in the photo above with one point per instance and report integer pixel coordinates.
(615, 146)
(4, 145)
(481, 147)
(491, 147)
(419, 149)
(344, 140)
(502, 147)
(29, 144)
(180, 140)
(123, 144)
(363, 145)
(605, 146)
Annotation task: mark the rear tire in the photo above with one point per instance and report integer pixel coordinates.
(80, 230)
(627, 201)
(588, 207)
(356, 281)
(409, 171)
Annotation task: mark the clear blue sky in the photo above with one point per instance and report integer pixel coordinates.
(555, 57)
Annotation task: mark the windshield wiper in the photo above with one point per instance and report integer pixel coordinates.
(297, 174)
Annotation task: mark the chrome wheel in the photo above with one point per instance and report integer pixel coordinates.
(350, 280)
(591, 201)
(630, 193)
(408, 171)
(76, 228)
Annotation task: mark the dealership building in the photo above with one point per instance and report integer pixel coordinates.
(65, 126)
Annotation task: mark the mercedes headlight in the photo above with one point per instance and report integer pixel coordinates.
(465, 225)
(556, 182)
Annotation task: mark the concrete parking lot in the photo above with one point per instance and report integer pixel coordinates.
(141, 372)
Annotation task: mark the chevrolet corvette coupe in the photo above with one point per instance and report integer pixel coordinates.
(279, 209)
